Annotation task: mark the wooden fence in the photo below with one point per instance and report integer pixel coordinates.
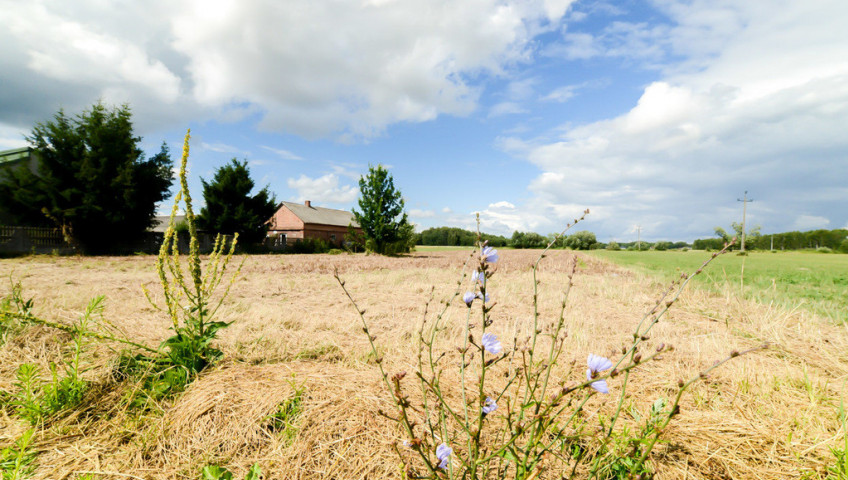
(32, 240)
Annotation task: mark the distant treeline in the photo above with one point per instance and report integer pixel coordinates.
(452, 236)
(456, 237)
(814, 239)
(836, 240)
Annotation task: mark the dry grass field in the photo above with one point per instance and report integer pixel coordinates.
(771, 414)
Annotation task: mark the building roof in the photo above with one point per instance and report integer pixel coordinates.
(160, 222)
(15, 154)
(320, 215)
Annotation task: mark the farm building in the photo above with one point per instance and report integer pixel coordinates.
(294, 221)
(18, 157)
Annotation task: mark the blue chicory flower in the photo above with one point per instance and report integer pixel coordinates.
(597, 364)
(489, 405)
(479, 277)
(489, 254)
(491, 344)
(468, 298)
(443, 453)
(486, 300)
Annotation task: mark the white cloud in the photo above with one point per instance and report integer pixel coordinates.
(416, 213)
(506, 108)
(324, 189)
(810, 222)
(284, 154)
(220, 148)
(763, 112)
(447, 210)
(561, 94)
(311, 67)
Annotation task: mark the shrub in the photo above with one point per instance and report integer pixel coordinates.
(613, 245)
(310, 245)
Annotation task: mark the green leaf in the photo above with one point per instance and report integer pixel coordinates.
(214, 472)
(253, 473)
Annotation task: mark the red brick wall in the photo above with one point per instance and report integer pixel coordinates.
(326, 232)
(286, 222)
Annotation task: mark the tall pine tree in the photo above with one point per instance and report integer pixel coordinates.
(92, 180)
(231, 209)
(387, 230)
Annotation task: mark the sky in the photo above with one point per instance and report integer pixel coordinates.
(655, 115)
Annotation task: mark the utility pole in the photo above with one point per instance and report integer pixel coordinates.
(745, 201)
(639, 237)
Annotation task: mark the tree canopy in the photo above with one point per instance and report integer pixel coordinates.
(230, 208)
(92, 180)
(383, 221)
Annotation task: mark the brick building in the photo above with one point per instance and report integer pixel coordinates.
(295, 221)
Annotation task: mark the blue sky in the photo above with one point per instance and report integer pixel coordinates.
(653, 113)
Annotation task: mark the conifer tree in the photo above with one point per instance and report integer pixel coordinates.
(92, 180)
(231, 209)
(382, 217)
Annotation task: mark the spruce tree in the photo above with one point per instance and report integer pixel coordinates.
(231, 209)
(382, 217)
(92, 180)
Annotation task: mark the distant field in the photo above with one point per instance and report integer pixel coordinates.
(816, 282)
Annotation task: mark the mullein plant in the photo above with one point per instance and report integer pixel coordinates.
(189, 293)
(514, 416)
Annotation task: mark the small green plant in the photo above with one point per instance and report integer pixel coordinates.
(37, 400)
(284, 420)
(214, 472)
(620, 460)
(16, 462)
(839, 470)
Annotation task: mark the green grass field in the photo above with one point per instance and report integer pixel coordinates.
(816, 282)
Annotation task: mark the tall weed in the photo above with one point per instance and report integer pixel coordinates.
(511, 414)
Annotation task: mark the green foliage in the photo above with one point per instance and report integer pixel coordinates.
(527, 240)
(839, 469)
(813, 239)
(354, 240)
(158, 378)
(381, 216)
(309, 245)
(452, 236)
(36, 400)
(284, 420)
(662, 246)
(621, 458)
(91, 181)
(13, 303)
(582, 240)
(231, 209)
(613, 245)
(214, 472)
(16, 462)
